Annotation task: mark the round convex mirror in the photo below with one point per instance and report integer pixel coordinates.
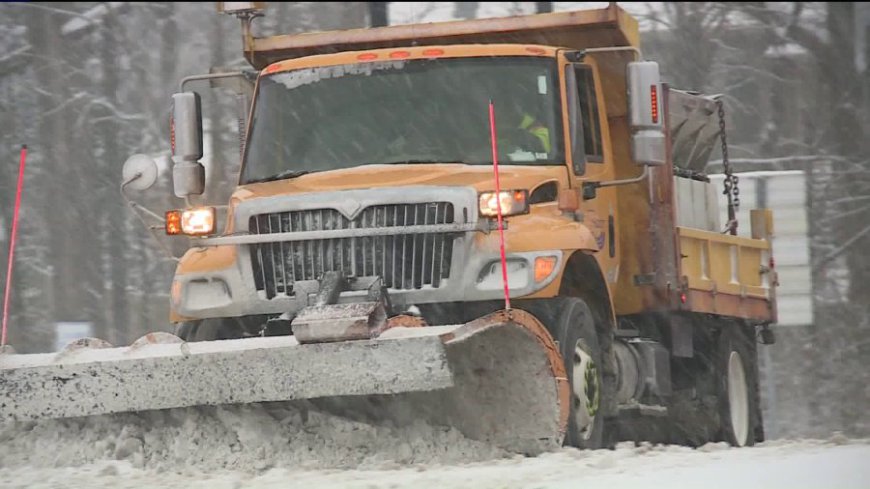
(139, 172)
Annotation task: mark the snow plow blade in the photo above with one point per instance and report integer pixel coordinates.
(498, 379)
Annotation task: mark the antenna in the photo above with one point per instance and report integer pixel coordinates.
(504, 275)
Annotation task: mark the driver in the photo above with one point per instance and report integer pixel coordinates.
(531, 125)
(523, 130)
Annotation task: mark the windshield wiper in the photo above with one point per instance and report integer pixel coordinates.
(281, 176)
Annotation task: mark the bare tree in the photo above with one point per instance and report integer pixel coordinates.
(379, 14)
(543, 7)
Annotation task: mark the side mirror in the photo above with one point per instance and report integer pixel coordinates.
(139, 172)
(185, 126)
(646, 114)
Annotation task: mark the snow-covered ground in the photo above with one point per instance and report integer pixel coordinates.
(781, 464)
(293, 445)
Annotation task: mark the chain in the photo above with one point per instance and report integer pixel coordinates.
(731, 180)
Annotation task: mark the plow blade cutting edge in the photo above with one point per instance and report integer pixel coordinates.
(498, 379)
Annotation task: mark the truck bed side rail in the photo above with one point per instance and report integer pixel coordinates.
(727, 275)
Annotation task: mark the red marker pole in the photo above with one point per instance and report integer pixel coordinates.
(504, 275)
(8, 289)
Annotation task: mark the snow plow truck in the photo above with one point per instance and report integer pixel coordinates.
(499, 225)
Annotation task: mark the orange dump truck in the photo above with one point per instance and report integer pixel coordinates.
(360, 265)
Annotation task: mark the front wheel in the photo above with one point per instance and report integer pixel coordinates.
(209, 330)
(574, 329)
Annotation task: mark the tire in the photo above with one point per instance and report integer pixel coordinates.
(737, 386)
(209, 330)
(184, 330)
(574, 328)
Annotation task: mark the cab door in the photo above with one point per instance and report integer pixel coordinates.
(590, 157)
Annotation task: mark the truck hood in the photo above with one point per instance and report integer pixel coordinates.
(374, 176)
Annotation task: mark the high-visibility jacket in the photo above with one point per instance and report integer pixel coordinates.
(536, 129)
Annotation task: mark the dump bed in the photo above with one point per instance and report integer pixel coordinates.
(611, 26)
(716, 273)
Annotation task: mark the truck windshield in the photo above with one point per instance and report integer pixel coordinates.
(405, 111)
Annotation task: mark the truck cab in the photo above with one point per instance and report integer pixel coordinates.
(384, 158)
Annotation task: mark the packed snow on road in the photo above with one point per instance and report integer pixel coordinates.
(271, 446)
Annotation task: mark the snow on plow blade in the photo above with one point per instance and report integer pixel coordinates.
(159, 376)
(497, 379)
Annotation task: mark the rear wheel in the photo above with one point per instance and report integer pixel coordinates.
(737, 381)
(574, 329)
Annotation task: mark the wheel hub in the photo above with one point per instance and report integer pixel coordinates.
(586, 390)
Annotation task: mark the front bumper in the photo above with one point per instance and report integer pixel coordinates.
(475, 269)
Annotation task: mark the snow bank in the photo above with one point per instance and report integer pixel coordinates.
(252, 437)
(276, 445)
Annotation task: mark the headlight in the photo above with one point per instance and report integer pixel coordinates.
(512, 202)
(192, 222)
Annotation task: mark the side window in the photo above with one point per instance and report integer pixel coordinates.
(588, 105)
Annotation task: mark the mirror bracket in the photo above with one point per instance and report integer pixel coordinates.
(590, 190)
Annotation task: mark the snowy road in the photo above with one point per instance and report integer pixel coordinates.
(278, 445)
(837, 463)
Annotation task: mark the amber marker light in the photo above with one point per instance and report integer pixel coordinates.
(175, 292)
(544, 266)
(173, 222)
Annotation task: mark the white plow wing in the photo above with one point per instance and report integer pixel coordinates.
(88, 382)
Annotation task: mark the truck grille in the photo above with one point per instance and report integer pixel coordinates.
(403, 261)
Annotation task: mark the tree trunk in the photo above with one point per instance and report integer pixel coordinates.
(465, 10)
(543, 7)
(378, 14)
(112, 158)
(60, 193)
